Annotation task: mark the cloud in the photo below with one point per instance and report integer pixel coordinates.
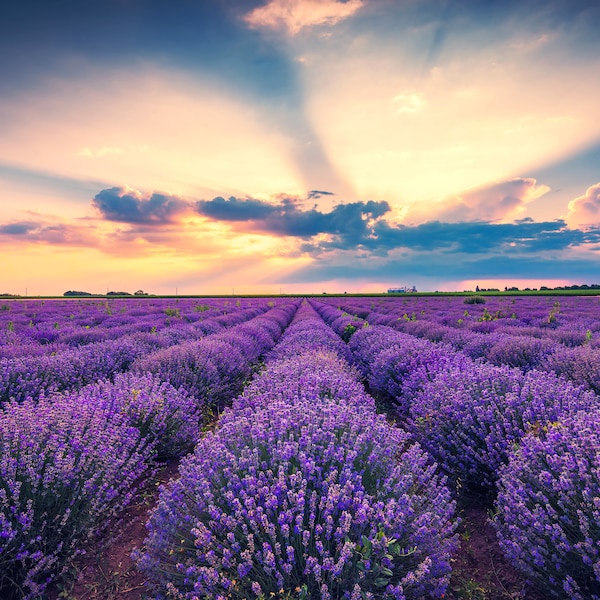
(585, 210)
(466, 238)
(350, 223)
(235, 209)
(315, 194)
(501, 201)
(57, 234)
(20, 228)
(126, 205)
(409, 101)
(481, 237)
(295, 15)
(362, 226)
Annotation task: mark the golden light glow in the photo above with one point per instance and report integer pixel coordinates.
(150, 129)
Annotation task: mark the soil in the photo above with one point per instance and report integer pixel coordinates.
(480, 571)
(107, 571)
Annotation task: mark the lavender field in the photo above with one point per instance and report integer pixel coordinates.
(327, 446)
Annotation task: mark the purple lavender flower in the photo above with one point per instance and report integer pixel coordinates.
(580, 364)
(548, 507)
(302, 485)
(469, 419)
(167, 418)
(66, 468)
(522, 351)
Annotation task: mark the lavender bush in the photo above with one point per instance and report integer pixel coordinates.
(366, 343)
(470, 419)
(215, 368)
(289, 379)
(312, 497)
(167, 418)
(580, 364)
(401, 371)
(305, 335)
(522, 351)
(66, 468)
(36, 376)
(548, 507)
(210, 369)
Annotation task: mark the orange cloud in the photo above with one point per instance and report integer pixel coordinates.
(499, 201)
(295, 15)
(585, 210)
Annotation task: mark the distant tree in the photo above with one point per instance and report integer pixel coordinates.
(76, 293)
(140, 293)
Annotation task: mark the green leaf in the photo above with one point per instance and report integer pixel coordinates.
(394, 549)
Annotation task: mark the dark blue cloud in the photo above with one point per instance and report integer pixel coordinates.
(351, 222)
(465, 237)
(18, 229)
(354, 226)
(316, 194)
(479, 237)
(117, 204)
(235, 209)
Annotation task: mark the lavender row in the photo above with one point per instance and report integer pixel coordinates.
(550, 316)
(303, 491)
(66, 468)
(36, 376)
(548, 508)
(467, 413)
(532, 436)
(570, 352)
(70, 463)
(214, 369)
(48, 326)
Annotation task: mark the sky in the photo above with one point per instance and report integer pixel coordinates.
(298, 146)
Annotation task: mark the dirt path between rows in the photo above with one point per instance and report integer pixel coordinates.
(106, 571)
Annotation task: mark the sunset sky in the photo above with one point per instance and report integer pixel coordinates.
(259, 146)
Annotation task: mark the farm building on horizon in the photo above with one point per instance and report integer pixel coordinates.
(401, 290)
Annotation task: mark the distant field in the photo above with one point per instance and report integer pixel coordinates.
(342, 446)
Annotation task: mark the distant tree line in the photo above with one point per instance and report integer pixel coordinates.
(593, 286)
(584, 286)
(79, 293)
